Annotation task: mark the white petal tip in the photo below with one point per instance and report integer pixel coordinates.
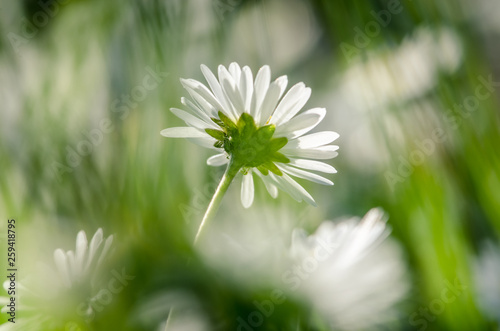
(81, 238)
(183, 132)
(98, 235)
(247, 190)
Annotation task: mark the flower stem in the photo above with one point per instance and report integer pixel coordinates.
(170, 318)
(231, 171)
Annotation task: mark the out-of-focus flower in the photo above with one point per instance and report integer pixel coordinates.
(351, 272)
(66, 290)
(252, 253)
(387, 78)
(487, 269)
(256, 131)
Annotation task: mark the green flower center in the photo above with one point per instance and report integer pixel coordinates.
(248, 145)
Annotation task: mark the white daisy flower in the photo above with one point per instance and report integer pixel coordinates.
(63, 288)
(255, 128)
(350, 271)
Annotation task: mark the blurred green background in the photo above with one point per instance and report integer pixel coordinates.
(405, 84)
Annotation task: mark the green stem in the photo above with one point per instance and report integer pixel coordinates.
(170, 318)
(231, 171)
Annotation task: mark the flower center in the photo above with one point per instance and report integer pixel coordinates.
(248, 145)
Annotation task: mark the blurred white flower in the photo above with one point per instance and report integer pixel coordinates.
(486, 271)
(351, 272)
(78, 266)
(251, 253)
(55, 291)
(387, 78)
(257, 131)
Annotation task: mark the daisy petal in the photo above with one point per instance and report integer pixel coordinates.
(183, 132)
(207, 142)
(301, 124)
(283, 185)
(192, 120)
(229, 90)
(320, 153)
(270, 187)
(94, 245)
(62, 266)
(105, 250)
(269, 103)
(205, 105)
(217, 160)
(247, 190)
(273, 95)
(291, 104)
(305, 195)
(305, 175)
(282, 82)
(212, 80)
(81, 251)
(313, 140)
(246, 88)
(313, 165)
(235, 71)
(192, 85)
(195, 109)
(294, 189)
(216, 89)
(234, 97)
(304, 97)
(261, 85)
